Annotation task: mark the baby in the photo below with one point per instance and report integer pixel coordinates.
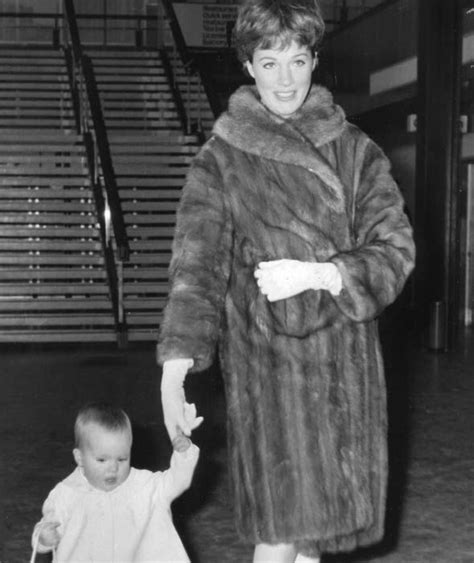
(105, 510)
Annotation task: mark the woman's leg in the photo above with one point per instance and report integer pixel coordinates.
(278, 553)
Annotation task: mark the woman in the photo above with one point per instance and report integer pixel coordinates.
(290, 241)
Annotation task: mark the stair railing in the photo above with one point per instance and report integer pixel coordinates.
(192, 69)
(90, 122)
(184, 114)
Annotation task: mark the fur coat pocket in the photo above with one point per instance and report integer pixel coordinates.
(297, 316)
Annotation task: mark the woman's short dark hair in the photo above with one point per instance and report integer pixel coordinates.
(104, 415)
(267, 24)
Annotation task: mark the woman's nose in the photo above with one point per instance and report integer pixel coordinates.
(284, 76)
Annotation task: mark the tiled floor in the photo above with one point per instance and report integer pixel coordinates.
(431, 397)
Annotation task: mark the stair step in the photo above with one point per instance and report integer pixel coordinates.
(50, 320)
(116, 65)
(34, 103)
(121, 55)
(40, 123)
(88, 334)
(135, 232)
(45, 219)
(38, 208)
(29, 289)
(50, 259)
(154, 150)
(160, 137)
(153, 160)
(43, 181)
(139, 208)
(137, 116)
(147, 258)
(32, 95)
(151, 182)
(46, 192)
(150, 195)
(45, 274)
(36, 169)
(144, 335)
(138, 220)
(36, 83)
(134, 88)
(55, 150)
(44, 113)
(123, 171)
(152, 288)
(145, 273)
(69, 245)
(38, 304)
(65, 140)
(143, 126)
(49, 231)
(144, 245)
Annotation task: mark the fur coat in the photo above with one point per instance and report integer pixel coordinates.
(303, 376)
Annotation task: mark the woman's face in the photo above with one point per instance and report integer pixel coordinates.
(282, 77)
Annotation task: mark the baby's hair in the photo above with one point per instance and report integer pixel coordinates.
(105, 415)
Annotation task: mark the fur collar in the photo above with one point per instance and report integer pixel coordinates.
(250, 127)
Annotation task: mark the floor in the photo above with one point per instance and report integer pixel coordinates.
(431, 402)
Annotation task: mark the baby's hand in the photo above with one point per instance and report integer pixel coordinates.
(49, 535)
(181, 442)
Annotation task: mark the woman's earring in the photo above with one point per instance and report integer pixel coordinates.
(315, 60)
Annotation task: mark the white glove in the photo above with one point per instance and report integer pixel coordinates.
(281, 279)
(180, 417)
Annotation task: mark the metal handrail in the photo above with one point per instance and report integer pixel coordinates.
(191, 64)
(88, 106)
(168, 68)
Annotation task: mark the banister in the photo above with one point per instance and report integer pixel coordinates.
(70, 13)
(191, 63)
(88, 96)
(184, 118)
(110, 264)
(103, 147)
(178, 36)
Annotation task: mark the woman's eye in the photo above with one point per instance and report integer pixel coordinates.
(268, 66)
(100, 459)
(300, 62)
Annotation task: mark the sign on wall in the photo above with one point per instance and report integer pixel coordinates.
(205, 25)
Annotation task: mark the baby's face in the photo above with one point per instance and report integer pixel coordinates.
(104, 456)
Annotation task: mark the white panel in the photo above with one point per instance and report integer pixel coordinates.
(405, 72)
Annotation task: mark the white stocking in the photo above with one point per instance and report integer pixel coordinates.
(279, 553)
(303, 559)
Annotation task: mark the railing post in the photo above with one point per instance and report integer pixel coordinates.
(139, 34)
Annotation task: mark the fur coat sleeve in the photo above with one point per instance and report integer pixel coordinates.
(375, 270)
(199, 268)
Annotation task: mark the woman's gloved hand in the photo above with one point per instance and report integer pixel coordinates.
(281, 279)
(180, 417)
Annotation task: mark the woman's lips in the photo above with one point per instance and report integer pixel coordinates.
(285, 96)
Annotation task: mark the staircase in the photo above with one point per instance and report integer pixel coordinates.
(53, 285)
(34, 93)
(53, 281)
(151, 157)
